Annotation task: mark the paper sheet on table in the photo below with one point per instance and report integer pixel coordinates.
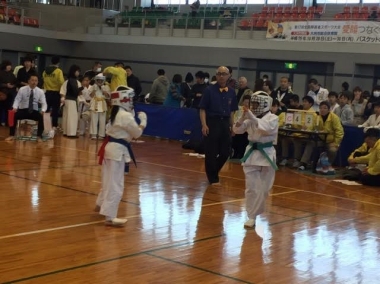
(347, 182)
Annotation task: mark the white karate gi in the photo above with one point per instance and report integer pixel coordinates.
(84, 109)
(98, 107)
(116, 155)
(259, 173)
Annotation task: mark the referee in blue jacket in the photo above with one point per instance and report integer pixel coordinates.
(217, 109)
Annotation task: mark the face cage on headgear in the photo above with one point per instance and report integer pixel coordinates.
(264, 104)
(123, 99)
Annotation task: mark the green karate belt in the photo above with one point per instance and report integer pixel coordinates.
(260, 147)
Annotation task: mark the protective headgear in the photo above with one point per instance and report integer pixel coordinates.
(263, 101)
(123, 97)
(100, 77)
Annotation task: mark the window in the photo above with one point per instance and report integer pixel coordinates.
(280, 1)
(255, 1)
(339, 2)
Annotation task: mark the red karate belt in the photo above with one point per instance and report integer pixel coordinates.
(102, 150)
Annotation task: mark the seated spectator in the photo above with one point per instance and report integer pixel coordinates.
(300, 160)
(294, 102)
(330, 123)
(373, 16)
(375, 97)
(333, 101)
(174, 97)
(358, 106)
(371, 174)
(374, 120)
(344, 110)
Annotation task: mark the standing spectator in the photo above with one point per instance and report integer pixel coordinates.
(198, 89)
(283, 94)
(344, 110)
(159, 88)
(231, 82)
(24, 73)
(375, 97)
(96, 69)
(207, 78)
(174, 98)
(53, 80)
(119, 75)
(70, 91)
(358, 106)
(243, 85)
(217, 109)
(318, 93)
(133, 82)
(7, 90)
(26, 106)
(186, 88)
(265, 77)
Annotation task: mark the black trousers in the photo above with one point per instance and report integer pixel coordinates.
(53, 100)
(371, 180)
(25, 114)
(217, 146)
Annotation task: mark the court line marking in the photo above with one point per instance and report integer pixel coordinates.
(102, 221)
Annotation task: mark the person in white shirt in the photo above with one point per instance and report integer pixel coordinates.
(84, 100)
(374, 120)
(318, 93)
(25, 106)
(115, 154)
(98, 107)
(259, 161)
(344, 111)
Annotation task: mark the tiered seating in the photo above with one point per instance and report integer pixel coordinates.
(356, 13)
(281, 14)
(14, 17)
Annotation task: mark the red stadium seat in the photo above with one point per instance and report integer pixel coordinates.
(355, 10)
(356, 16)
(287, 10)
(303, 10)
(16, 20)
(320, 9)
(347, 16)
(311, 10)
(295, 10)
(364, 16)
(347, 10)
(255, 16)
(280, 10)
(294, 17)
(338, 17)
(286, 17)
(364, 10)
(302, 17)
(264, 10)
(310, 16)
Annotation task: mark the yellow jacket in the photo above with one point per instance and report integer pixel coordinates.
(53, 78)
(372, 159)
(119, 77)
(334, 127)
(281, 119)
(362, 149)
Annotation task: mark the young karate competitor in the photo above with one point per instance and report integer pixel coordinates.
(84, 100)
(259, 161)
(100, 92)
(116, 153)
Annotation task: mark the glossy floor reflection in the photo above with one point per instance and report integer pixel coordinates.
(179, 230)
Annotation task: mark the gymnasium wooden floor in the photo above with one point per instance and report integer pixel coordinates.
(179, 230)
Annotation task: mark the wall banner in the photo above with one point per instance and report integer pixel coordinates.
(325, 31)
